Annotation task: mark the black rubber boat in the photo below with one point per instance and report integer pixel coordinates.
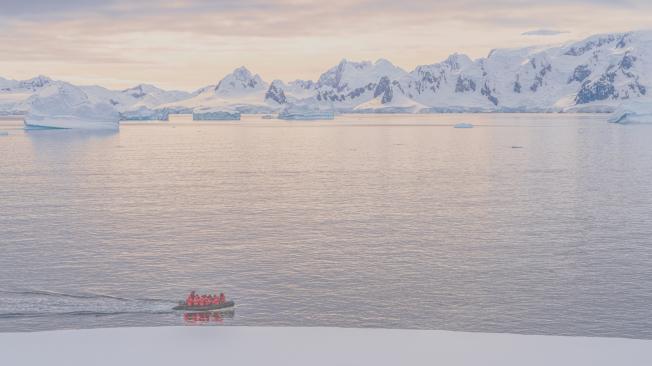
(223, 306)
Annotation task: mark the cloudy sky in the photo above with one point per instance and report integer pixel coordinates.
(187, 44)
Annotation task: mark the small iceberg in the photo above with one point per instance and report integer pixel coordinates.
(215, 114)
(463, 125)
(65, 106)
(306, 112)
(632, 112)
(267, 116)
(146, 114)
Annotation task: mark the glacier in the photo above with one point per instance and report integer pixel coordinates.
(597, 74)
(65, 106)
(633, 112)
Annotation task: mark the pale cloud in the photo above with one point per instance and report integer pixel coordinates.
(191, 43)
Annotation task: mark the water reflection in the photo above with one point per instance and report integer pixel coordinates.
(57, 146)
(208, 317)
(41, 134)
(334, 225)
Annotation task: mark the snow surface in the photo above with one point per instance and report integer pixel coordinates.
(272, 346)
(633, 112)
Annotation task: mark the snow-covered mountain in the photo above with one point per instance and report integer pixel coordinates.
(596, 74)
(140, 102)
(240, 90)
(149, 96)
(15, 93)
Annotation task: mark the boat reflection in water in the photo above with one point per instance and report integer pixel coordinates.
(208, 316)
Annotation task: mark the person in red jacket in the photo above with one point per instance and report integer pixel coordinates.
(190, 299)
(222, 298)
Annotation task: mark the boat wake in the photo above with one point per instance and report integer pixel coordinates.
(78, 313)
(30, 303)
(87, 295)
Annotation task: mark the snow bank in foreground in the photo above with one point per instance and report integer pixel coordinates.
(633, 112)
(215, 114)
(176, 346)
(67, 106)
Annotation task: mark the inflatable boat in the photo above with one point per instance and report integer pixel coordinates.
(223, 306)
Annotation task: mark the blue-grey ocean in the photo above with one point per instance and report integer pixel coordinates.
(526, 223)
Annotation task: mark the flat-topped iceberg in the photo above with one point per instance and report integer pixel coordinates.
(463, 125)
(143, 113)
(66, 106)
(633, 112)
(307, 111)
(215, 114)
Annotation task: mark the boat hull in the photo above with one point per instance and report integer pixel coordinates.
(224, 306)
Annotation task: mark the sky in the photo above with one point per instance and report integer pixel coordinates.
(193, 43)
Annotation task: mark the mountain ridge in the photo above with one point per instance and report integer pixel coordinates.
(596, 74)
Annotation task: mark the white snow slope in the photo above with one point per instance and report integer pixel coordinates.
(596, 74)
(174, 346)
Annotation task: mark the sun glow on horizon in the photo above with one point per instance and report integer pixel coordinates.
(190, 44)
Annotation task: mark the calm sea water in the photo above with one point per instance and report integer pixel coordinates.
(537, 224)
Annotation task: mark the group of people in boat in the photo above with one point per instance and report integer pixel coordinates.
(205, 300)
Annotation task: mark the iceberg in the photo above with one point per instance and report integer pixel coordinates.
(146, 114)
(215, 114)
(463, 125)
(632, 112)
(306, 111)
(65, 106)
